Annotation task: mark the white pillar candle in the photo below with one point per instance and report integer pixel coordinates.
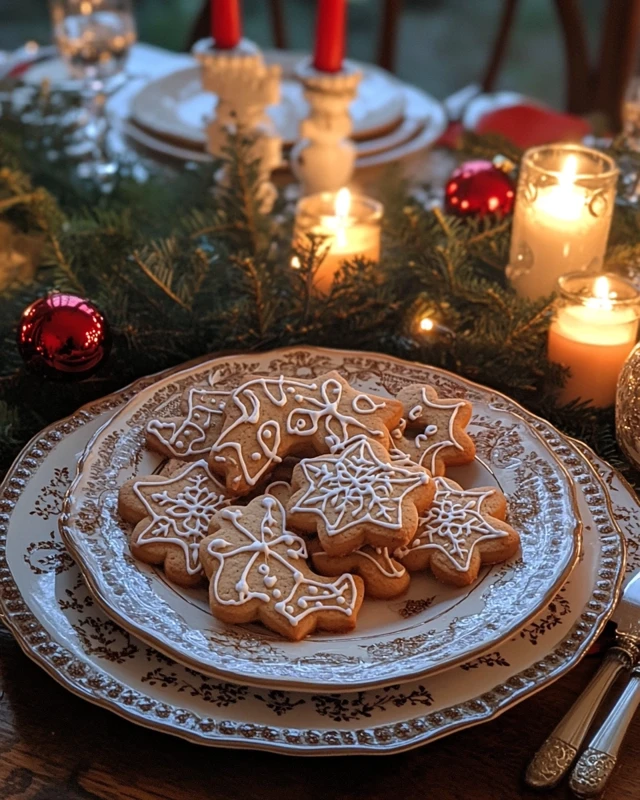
(593, 332)
(350, 225)
(562, 216)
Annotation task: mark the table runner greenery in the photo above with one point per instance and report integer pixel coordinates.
(182, 271)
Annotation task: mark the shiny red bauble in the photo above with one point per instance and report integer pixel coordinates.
(63, 337)
(477, 188)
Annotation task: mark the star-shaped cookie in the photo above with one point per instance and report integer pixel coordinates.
(432, 431)
(258, 571)
(383, 576)
(171, 516)
(358, 496)
(191, 435)
(463, 529)
(267, 419)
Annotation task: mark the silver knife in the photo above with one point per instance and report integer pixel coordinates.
(595, 765)
(554, 758)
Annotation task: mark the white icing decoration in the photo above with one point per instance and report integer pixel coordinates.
(184, 515)
(454, 525)
(274, 544)
(312, 404)
(355, 486)
(202, 408)
(255, 456)
(385, 564)
(422, 439)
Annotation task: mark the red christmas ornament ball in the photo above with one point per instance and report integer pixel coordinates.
(63, 337)
(477, 188)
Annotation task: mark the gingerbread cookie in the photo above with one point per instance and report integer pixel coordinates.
(258, 571)
(383, 576)
(358, 496)
(463, 529)
(171, 515)
(191, 435)
(267, 419)
(432, 431)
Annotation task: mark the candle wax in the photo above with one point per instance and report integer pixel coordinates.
(330, 35)
(561, 236)
(594, 343)
(226, 27)
(346, 242)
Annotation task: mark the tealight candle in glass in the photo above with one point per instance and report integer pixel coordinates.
(564, 202)
(350, 223)
(594, 330)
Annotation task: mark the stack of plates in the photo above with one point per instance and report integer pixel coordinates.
(391, 120)
(416, 668)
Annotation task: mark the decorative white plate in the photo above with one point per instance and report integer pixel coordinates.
(425, 121)
(49, 610)
(177, 106)
(386, 646)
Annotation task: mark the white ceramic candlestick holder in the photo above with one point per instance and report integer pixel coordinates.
(324, 158)
(245, 86)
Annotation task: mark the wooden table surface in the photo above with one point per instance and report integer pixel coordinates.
(54, 746)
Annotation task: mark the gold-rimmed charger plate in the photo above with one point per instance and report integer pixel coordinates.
(48, 608)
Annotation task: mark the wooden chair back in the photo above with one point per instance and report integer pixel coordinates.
(592, 85)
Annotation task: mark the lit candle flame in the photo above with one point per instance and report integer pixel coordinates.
(601, 288)
(342, 206)
(426, 324)
(569, 172)
(602, 294)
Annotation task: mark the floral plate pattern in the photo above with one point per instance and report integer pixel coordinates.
(48, 608)
(387, 646)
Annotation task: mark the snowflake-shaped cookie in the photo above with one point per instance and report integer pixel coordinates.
(358, 496)
(463, 529)
(191, 435)
(172, 515)
(432, 431)
(258, 571)
(383, 576)
(267, 419)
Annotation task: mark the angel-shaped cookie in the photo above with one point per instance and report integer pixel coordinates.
(258, 571)
(383, 576)
(171, 515)
(267, 419)
(358, 496)
(190, 435)
(433, 430)
(463, 529)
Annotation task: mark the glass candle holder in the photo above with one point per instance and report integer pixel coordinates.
(350, 223)
(594, 330)
(564, 203)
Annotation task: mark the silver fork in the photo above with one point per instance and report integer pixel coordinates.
(596, 764)
(554, 758)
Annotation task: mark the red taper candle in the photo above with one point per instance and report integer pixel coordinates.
(330, 35)
(226, 26)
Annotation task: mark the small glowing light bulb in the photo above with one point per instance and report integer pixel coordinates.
(426, 324)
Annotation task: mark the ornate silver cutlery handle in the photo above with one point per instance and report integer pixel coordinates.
(553, 759)
(596, 764)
